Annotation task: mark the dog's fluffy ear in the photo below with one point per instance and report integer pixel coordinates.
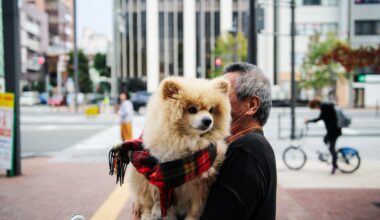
(170, 87)
(222, 85)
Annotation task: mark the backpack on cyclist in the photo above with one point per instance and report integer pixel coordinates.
(343, 120)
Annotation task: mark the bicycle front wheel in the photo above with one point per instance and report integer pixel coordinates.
(294, 158)
(347, 162)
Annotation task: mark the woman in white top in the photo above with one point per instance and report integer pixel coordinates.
(126, 114)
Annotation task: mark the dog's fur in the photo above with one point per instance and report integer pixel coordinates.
(172, 132)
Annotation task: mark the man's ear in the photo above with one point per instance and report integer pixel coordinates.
(254, 105)
(222, 85)
(170, 87)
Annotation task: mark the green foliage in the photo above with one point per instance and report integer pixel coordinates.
(103, 87)
(100, 64)
(84, 80)
(225, 50)
(38, 86)
(315, 74)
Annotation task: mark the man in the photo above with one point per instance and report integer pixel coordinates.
(125, 113)
(246, 185)
(328, 116)
(247, 182)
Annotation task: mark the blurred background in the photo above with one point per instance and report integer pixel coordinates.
(67, 61)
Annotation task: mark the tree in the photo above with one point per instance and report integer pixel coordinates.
(354, 59)
(225, 49)
(100, 64)
(84, 80)
(316, 74)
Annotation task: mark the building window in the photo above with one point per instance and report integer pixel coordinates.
(317, 2)
(367, 2)
(367, 27)
(308, 29)
(311, 2)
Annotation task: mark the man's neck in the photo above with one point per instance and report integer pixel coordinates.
(242, 126)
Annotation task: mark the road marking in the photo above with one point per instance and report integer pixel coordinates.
(62, 127)
(114, 204)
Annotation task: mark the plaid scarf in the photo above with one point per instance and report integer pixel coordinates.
(166, 176)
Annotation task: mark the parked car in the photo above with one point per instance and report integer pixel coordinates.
(93, 98)
(57, 101)
(29, 98)
(43, 98)
(139, 99)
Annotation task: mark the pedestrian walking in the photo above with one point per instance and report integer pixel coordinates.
(328, 115)
(125, 113)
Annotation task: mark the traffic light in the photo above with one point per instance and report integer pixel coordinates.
(218, 62)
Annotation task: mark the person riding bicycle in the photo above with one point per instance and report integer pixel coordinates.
(328, 116)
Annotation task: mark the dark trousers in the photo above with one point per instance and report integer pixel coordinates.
(331, 141)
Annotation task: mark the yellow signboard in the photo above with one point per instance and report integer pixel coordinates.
(6, 130)
(7, 100)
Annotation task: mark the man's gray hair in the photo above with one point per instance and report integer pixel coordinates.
(253, 82)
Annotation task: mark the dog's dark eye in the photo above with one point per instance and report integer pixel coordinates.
(192, 110)
(211, 110)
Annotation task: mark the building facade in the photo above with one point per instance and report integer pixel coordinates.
(171, 37)
(91, 42)
(177, 37)
(365, 31)
(34, 44)
(60, 25)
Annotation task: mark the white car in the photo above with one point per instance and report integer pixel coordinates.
(29, 99)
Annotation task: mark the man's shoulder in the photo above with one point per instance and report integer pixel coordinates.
(253, 144)
(252, 140)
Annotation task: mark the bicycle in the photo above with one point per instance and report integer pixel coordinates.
(295, 158)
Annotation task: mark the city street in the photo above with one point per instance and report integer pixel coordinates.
(75, 172)
(101, 56)
(45, 131)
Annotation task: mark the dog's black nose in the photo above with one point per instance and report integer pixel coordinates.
(206, 121)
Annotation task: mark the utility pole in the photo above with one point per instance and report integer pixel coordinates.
(275, 41)
(293, 85)
(252, 40)
(12, 69)
(76, 83)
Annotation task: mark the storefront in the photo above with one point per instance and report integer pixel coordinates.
(366, 91)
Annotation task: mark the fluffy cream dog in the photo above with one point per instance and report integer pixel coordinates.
(183, 117)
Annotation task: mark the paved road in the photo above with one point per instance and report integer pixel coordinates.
(45, 131)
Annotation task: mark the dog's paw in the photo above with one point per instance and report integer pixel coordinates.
(190, 218)
(156, 211)
(147, 216)
(209, 173)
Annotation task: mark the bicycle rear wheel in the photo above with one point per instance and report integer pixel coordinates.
(348, 161)
(294, 158)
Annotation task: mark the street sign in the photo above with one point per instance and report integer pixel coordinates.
(361, 78)
(6, 130)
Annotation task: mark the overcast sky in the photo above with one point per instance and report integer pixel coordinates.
(95, 14)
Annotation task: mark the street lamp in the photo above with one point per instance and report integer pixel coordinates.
(75, 58)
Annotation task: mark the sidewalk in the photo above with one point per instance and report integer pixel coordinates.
(58, 190)
(77, 181)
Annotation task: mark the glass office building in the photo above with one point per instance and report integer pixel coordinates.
(185, 32)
